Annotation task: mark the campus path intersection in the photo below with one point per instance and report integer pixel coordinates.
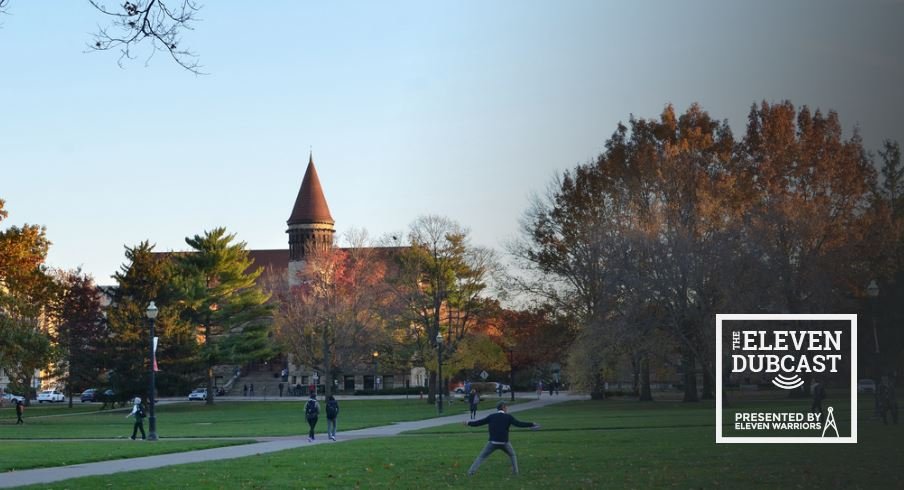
(264, 445)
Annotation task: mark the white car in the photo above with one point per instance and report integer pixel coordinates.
(10, 398)
(51, 396)
(866, 386)
(198, 394)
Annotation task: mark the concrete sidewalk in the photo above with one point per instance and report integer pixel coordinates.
(267, 445)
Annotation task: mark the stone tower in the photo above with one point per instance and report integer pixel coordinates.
(310, 225)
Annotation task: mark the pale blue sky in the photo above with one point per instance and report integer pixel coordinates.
(456, 108)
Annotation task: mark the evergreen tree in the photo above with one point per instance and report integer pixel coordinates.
(220, 297)
(144, 278)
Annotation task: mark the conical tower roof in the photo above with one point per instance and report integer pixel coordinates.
(310, 205)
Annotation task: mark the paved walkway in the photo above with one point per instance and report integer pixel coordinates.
(266, 445)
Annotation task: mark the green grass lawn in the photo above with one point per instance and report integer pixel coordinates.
(223, 419)
(611, 444)
(21, 455)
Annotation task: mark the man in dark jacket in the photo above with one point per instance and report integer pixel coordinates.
(499, 424)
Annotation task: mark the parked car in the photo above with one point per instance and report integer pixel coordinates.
(11, 398)
(198, 394)
(51, 396)
(866, 386)
(90, 395)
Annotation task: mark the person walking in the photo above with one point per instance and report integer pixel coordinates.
(332, 411)
(819, 394)
(473, 400)
(244, 390)
(499, 424)
(20, 409)
(539, 388)
(138, 412)
(251, 390)
(311, 412)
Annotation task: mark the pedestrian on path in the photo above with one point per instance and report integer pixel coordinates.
(138, 412)
(20, 409)
(332, 412)
(499, 424)
(311, 412)
(539, 388)
(245, 390)
(473, 400)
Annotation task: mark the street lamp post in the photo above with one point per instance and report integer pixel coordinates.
(152, 420)
(439, 384)
(376, 359)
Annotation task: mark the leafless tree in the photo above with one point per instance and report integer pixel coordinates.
(156, 22)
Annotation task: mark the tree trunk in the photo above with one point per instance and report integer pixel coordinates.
(646, 394)
(598, 385)
(635, 374)
(210, 389)
(690, 378)
(431, 389)
(709, 390)
(327, 362)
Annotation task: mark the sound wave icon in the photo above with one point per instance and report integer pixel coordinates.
(788, 383)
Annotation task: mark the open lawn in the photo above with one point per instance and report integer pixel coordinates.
(611, 444)
(21, 455)
(223, 419)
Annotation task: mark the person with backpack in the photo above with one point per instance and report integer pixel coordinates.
(332, 411)
(311, 412)
(138, 412)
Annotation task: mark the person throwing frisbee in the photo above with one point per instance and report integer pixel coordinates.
(499, 424)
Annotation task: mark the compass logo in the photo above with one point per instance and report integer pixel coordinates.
(772, 354)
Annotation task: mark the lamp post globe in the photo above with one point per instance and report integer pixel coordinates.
(152, 419)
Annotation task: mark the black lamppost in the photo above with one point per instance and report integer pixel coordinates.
(376, 359)
(439, 384)
(152, 420)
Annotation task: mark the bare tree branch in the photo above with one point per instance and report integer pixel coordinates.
(146, 22)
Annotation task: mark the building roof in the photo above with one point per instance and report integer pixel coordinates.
(310, 205)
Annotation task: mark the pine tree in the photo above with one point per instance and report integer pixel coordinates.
(220, 297)
(144, 278)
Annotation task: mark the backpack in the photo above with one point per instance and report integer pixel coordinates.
(311, 410)
(332, 409)
(140, 412)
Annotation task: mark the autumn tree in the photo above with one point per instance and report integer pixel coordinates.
(332, 320)
(81, 332)
(811, 196)
(26, 293)
(217, 293)
(439, 286)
